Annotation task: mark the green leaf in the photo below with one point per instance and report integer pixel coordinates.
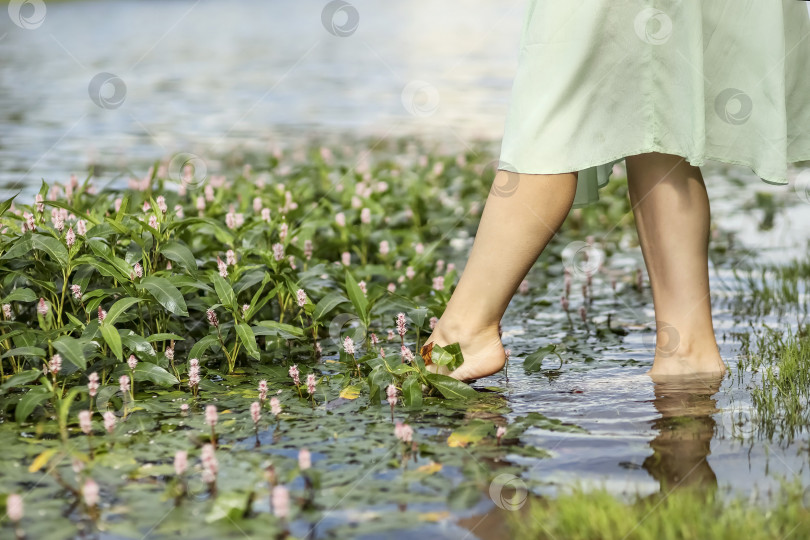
(402, 369)
(230, 505)
(136, 343)
(119, 308)
(327, 303)
(113, 339)
(154, 373)
(164, 337)
(449, 387)
(5, 205)
(29, 401)
(449, 355)
(19, 248)
(122, 210)
(179, 253)
(20, 379)
(275, 328)
(165, 293)
(418, 316)
(359, 300)
(248, 340)
(224, 291)
(201, 346)
(412, 392)
(534, 362)
(72, 349)
(52, 247)
(22, 294)
(25, 351)
(103, 267)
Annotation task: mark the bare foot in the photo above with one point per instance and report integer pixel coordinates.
(678, 365)
(482, 350)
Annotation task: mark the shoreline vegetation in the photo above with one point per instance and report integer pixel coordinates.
(239, 348)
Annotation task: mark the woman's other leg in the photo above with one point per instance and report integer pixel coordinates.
(521, 214)
(671, 210)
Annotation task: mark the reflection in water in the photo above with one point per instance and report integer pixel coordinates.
(685, 432)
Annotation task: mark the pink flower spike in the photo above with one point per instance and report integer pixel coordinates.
(302, 297)
(123, 383)
(281, 502)
(70, 238)
(85, 422)
(262, 390)
(101, 315)
(348, 345)
(180, 462)
(76, 291)
(311, 383)
(55, 365)
(14, 507)
(275, 406)
(212, 317)
(90, 493)
(211, 415)
(109, 421)
(403, 432)
(391, 394)
(223, 268)
(304, 459)
(92, 384)
(42, 307)
(295, 375)
(401, 324)
(255, 412)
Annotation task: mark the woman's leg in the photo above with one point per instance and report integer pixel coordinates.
(671, 210)
(521, 214)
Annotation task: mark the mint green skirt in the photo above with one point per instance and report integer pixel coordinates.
(599, 80)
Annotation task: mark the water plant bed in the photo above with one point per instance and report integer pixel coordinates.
(219, 353)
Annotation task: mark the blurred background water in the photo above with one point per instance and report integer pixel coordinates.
(209, 76)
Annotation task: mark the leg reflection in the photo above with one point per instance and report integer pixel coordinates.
(685, 431)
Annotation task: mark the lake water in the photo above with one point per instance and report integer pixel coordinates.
(207, 77)
(211, 77)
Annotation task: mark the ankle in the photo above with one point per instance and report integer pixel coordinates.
(463, 330)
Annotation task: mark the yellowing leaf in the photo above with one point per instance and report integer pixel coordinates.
(473, 432)
(41, 460)
(458, 439)
(434, 516)
(430, 468)
(350, 392)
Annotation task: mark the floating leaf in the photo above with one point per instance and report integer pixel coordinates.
(449, 387)
(41, 460)
(350, 392)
